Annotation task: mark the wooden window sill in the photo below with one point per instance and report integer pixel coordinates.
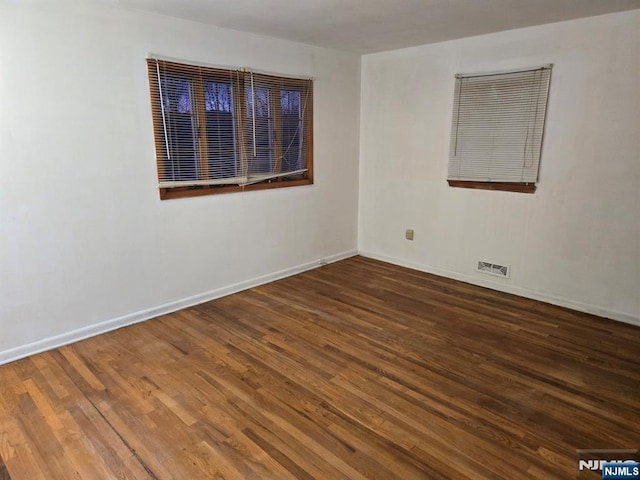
(181, 192)
(503, 186)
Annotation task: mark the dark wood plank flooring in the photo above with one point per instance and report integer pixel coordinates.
(359, 369)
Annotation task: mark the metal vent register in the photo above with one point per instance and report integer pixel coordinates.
(493, 269)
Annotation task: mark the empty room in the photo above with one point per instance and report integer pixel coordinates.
(325, 239)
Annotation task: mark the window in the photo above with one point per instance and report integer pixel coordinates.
(497, 128)
(219, 130)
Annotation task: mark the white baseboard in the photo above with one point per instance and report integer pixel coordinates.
(66, 338)
(522, 292)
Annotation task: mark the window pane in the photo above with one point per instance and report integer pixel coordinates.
(262, 161)
(182, 155)
(221, 144)
(291, 129)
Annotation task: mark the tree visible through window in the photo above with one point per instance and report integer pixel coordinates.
(222, 130)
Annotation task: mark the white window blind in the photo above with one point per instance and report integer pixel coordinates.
(497, 126)
(215, 126)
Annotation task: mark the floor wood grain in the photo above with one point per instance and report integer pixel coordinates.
(358, 369)
(4, 473)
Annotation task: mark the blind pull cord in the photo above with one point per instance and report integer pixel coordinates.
(164, 120)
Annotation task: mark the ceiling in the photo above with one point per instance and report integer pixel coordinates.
(365, 26)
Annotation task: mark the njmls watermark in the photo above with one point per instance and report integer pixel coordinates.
(621, 471)
(611, 463)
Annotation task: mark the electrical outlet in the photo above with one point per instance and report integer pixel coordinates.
(408, 234)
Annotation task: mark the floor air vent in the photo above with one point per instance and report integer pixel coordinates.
(493, 269)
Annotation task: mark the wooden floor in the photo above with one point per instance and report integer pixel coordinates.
(358, 369)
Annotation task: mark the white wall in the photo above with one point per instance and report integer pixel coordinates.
(85, 242)
(576, 241)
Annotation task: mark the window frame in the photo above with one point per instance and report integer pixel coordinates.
(239, 115)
